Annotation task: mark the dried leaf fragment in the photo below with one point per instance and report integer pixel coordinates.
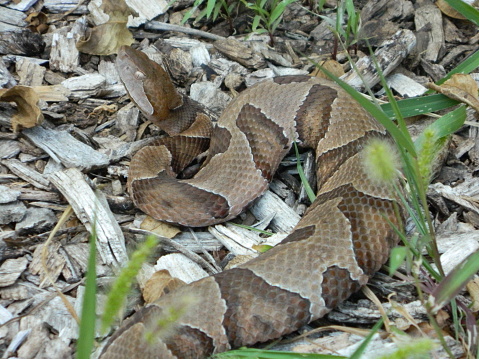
(38, 22)
(332, 66)
(160, 283)
(450, 11)
(161, 228)
(459, 87)
(106, 39)
(28, 113)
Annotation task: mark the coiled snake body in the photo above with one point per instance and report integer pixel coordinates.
(342, 240)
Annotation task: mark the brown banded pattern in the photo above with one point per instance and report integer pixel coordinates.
(343, 238)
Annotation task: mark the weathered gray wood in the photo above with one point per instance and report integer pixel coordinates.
(405, 86)
(92, 210)
(84, 86)
(27, 173)
(11, 269)
(30, 73)
(66, 149)
(285, 217)
(156, 25)
(21, 42)
(240, 52)
(64, 55)
(11, 20)
(77, 7)
(6, 78)
(388, 56)
(428, 19)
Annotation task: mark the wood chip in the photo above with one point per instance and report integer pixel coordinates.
(65, 149)
(28, 174)
(389, 54)
(92, 210)
(181, 267)
(11, 269)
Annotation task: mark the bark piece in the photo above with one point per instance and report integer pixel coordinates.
(8, 195)
(6, 78)
(22, 42)
(240, 52)
(64, 55)
(387, 10)
(11, 20)
(209, 95)
(428, 19)
(285, 218)
(36, 220)
(62, 6)
(12, 212)
(84, 86)
(9, 148)
(30, 73)
(92, 209)
(405, 86)
(11, 269)
(181, 267)
(388, 56)
(28, 174)
(65, 149)
(180, 64)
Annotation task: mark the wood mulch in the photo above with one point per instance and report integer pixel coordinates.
(60, 178)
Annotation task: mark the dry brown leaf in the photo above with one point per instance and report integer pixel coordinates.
(473, 289)
(161, 228)
(332, 66)
(38, 22)
(450, 11)
(459, 87)
(160, 283)
(107, 38)
(28, 113)
(442, 318)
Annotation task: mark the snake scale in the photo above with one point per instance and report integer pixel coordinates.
(341, 241)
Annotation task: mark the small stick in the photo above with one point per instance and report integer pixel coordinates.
(156, 25)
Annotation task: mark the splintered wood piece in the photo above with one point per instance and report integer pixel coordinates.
(27, 173)
(66, 149)
(388, 55)
(92, 210)
(285, 218)
(428, 20)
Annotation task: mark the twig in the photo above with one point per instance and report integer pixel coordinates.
(206, 253)
(156, 25)
(191, 255)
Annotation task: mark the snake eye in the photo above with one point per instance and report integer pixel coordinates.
(139, 75)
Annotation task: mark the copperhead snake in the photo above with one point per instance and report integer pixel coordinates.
(341, 241)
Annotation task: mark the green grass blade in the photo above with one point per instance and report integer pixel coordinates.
(465, 9)
(465, 67)
(454, 281)
(88, 314)
(397, 258)
(210, 5)
(419, 105)
(302, 176)
(358, 352)
(418, 348)
(122, 285)
(445, 125)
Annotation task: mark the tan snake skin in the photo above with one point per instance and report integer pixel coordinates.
(342, 240)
